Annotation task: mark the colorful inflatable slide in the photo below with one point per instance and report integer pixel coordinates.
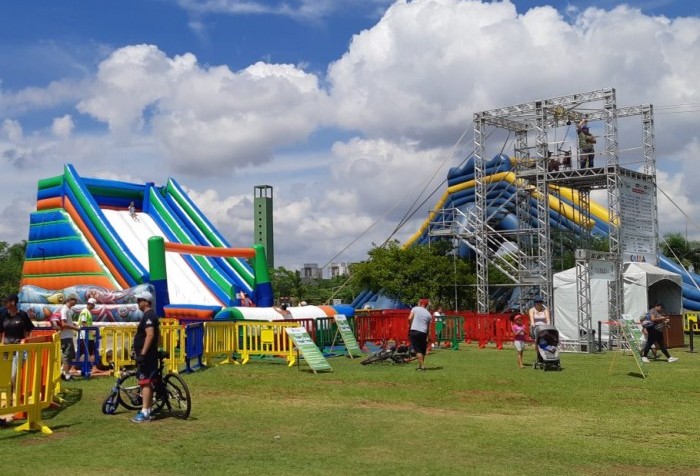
(83, 238)
(564, 214)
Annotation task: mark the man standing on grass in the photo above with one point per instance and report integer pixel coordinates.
(68, 329)
(419, 324)
(145, 348)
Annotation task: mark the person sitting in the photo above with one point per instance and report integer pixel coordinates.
(545, 343)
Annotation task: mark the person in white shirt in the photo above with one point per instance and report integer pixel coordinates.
(68, 329)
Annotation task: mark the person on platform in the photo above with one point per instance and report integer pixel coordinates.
(585, 145)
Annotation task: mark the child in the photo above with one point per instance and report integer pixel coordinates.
(518, 336)
(646, 323)
(545, 344)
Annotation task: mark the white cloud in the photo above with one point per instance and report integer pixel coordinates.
(62, 126)
(398, 99)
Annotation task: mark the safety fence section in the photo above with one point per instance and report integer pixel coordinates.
(449, 330)
(116, 342)
(172, 341)
(220, 340)
(690, 322)
(265, 339)
(29, 379)
(194, 345)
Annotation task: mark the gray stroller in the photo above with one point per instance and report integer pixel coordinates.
(546, 342)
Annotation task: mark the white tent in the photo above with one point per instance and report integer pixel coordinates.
(644, 284)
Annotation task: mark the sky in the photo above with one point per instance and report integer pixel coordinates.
(352, 110)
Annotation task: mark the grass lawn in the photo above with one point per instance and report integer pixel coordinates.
(473, 412)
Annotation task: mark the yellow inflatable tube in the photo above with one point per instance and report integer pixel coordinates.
(565, 209)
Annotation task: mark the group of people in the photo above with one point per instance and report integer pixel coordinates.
(538, 315)
(15, 326)
(653, 324)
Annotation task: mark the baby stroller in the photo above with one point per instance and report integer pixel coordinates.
(546, 342)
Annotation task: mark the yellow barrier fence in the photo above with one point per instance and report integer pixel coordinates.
(172, 337)
(691, 323)
(265, 338)
(220, 338)
(115, 345)
(29, 376)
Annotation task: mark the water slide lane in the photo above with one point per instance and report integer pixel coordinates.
(204, 233)
(219, 284)
(184, 285)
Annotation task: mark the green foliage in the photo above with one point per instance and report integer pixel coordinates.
(676, 247)
(286, 283)
(11, 262)
(419, 271)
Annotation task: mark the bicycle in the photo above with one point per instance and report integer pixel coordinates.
(396, 355)
(169, 391)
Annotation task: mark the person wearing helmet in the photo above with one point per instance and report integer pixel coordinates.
(145, 350)
(585, 145)
(86, 339)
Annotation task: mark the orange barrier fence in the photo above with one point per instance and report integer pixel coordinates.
(29, 378)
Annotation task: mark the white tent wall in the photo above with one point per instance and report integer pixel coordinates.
(644, 284)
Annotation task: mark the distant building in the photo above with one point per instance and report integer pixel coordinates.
(339, 269)
(311, 271)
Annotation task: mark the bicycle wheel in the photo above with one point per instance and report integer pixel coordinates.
(177, 396)
(110, 404)
(129, 392)
(377, 357)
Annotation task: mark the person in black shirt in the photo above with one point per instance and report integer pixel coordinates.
(145, 348)
(15, 324)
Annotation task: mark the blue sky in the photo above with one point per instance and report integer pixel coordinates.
(344, 106)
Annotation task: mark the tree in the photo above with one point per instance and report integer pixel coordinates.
(11, 263)
(286, 283)
(419, 271)
(675, 246)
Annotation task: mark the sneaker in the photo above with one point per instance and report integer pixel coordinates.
(645, 360)
(141, 418)
(65, 376)
(420, 368)
(672, 359)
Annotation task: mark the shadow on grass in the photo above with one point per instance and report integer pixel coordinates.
(67, 398)
(635, 374)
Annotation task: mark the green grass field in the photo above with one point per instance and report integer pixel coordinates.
(473, 412)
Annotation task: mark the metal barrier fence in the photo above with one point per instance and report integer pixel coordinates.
(29, 378)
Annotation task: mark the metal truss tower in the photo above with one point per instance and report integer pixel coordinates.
(537, 183)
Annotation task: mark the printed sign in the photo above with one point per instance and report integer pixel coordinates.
(599, 269)
(307, 349)
(348, 337)
(637, 234)
(632, 334)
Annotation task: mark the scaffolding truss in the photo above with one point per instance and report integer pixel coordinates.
(536, 147)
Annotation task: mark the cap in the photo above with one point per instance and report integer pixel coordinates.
(11, 297)
(423, 302)
(92, 301)
(145, 295)
(302, 303)
(72, 297)
(539, 299)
